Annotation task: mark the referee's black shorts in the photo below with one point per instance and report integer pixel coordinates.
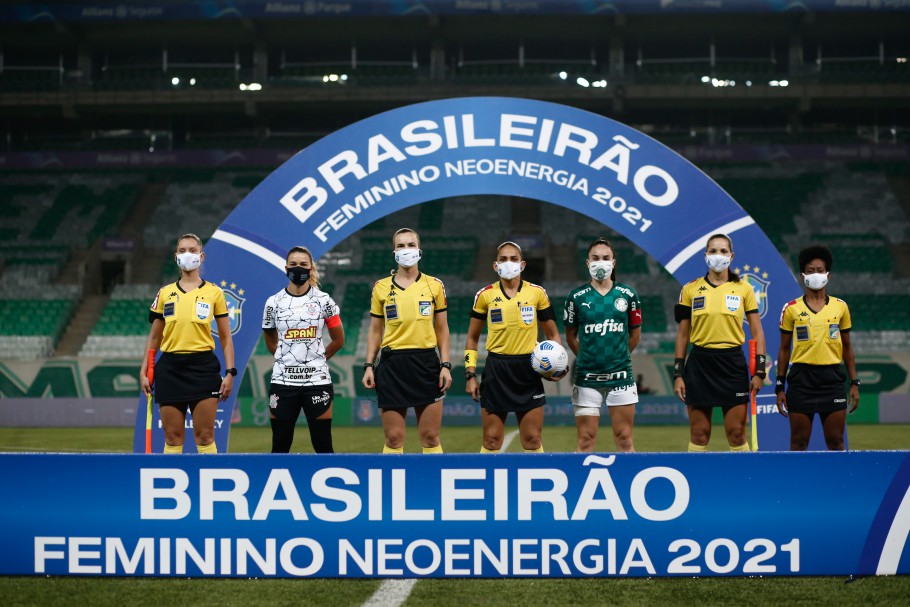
(510, 384)
(716, 377)
(815, 389)
(186, 378)
(407, 378)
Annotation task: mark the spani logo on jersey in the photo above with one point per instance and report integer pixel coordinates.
(759, 282)
(232, 296)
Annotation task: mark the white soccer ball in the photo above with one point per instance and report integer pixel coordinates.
(549, 358)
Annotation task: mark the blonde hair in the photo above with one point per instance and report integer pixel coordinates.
(512, 244)
(405, 231)
(314, 272)
(191, 236)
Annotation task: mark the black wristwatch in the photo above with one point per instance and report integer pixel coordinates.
(854, 382)
(469, 375)
(445, 366)
(231, 371)
(367, 366)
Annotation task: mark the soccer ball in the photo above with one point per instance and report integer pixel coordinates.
(549, 359)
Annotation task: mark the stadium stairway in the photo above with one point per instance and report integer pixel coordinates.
(81, 324)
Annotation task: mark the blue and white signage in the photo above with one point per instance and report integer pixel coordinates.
(568, 515)
(512, 147)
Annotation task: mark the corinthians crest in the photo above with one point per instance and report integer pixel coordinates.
(759, 282)
(233, 296)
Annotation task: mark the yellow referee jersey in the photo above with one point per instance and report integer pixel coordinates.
(512, 322)
(409, 314)
(717, 311)
(816, 335)
(188, 316)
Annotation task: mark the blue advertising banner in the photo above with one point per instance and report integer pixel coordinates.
(155, 10)
(488, 145)
(568, 515)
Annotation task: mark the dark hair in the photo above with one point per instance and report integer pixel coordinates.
(815, 251)
(601, 240)
(734, 277)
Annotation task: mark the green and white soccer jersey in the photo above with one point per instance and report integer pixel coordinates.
(603, 323)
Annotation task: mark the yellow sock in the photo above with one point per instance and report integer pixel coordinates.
(693, 448)
(436, 449)
(173, 449)
(742, 447)
(209, 449)
(485, 450)
(537, 450)
(387, 449)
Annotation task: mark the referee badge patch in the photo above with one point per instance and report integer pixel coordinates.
(391, 312)
(802, 333)
(426, 308)
(733, 302)
(496, 315)
(202, 310)
(527, 314)
(833, 331)
(698, 303)
(168, 309)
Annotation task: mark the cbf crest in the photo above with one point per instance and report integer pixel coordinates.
(233, 297)
(759, 282)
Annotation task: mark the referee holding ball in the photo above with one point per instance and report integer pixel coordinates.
(408, 322)
(188, 375)
(512, 309)
(710, 314)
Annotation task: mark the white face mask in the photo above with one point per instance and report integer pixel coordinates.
(189, 261)
(508, 269)
(600, 270)
(815, 281)
(718, 263)
(407, 258)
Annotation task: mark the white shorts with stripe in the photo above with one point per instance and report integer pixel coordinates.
(588, 401)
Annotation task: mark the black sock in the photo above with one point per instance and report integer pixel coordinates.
(321, 435)
(282, 435)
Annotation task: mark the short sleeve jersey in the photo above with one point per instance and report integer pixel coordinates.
(300, 321)
(409, 314)
(603, 323)
(188, 316)
(512, 321)
(717, 311)
(816, 335)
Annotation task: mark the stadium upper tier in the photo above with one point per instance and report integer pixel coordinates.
(54, 222)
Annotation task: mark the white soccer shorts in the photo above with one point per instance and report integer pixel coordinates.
(588, 401)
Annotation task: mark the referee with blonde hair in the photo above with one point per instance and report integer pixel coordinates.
(188, 374)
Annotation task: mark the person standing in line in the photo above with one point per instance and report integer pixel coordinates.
(710, 313)
(188, 374)
(822, 348)
(408, 323)
(513, 309)
(293, 323)
(603, 326)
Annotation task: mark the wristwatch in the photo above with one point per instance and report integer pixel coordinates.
(469, 375)
(445, 366)
(854, 382)
(367, 366)
(231, 371)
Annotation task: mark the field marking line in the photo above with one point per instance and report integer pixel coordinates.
(391, 593)
(508, 440)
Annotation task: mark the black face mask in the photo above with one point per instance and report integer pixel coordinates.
(299, 276)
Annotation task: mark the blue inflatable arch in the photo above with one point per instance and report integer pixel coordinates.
(512, 147)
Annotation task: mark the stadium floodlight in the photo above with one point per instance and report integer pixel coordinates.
(343, 77)
(599, 83)
(192, 82)
(333, 77)
(706, 79)
(583, 82)
(175, 80)
(242, 86)
(748, 83)
(784, 83)
(563, 75)
(254, 86)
